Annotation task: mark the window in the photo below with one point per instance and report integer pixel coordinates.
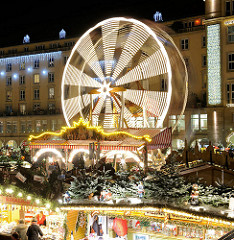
(23, 127)
(22, 66)
(230, 93)
(38, 125)
(51, 108)
(29, 126)
(203, 41)
(53, 125)
(231, 34)
(204, 61)
(11, 127)
(22, 108)
(14, 127)
(184, 44)
(36, 63)
(51, 93)
(51, 62)
(180, 124)
(8, 95)
(36, 107)
(44, 125)
(8, 127)
(195, 122)
(36, 78)
(65, 59)
(50, 77)
(203, 121)
(8, 67)
(1, 126)
(36, 94)
(22, 95)
(8, 109)
(198, 122)
(22, 80)
(228, 8)
(8, 81)
(26, 49)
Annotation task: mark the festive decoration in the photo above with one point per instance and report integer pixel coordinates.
(120, 226)
(98, 130)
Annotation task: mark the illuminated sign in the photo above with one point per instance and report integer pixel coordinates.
(214, 64)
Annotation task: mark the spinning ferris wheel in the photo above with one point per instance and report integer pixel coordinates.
(118, 76)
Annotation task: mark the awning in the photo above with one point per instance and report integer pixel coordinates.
(161, 140)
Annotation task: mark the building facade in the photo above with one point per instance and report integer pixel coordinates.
(31, 75)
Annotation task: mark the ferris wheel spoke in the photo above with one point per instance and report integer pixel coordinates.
(109, 32)
(154, 102)
(154, 65)
(74, 105)
(108, 118)
(88, 52)
(77, 78)
(137, 37)
(97, 110)
(127, 114)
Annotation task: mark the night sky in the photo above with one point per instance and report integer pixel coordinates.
(42, 21)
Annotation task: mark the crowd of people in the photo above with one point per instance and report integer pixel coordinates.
(23, 232)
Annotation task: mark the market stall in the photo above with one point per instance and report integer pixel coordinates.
(13, 209)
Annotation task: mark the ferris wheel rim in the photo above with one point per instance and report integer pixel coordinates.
(151, 32)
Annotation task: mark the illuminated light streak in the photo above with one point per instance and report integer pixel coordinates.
(48, 150)
(97, 110)
(109, 32)
(76, 77)
(152, 66)
(136, 39)
(88, 52)
(75, 105)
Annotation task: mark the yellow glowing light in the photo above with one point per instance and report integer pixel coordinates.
(98, 129)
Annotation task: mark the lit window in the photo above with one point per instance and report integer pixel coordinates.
(230, 93)
(38, 125)
(180, 122)
(44, 125)
(36, 78)
(195, 122)
(23, 127)
(22, 109)
(184, 44)
(51, 93)
(36, 107)
(231, 34)
(29, 126)
(198, 122)
(203, 121)
(53, 125)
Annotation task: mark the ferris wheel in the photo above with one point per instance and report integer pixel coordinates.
(117, 76)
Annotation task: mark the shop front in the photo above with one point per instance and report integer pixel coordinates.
(13, 209)
(143, 224)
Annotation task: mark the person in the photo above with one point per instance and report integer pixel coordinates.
(34, 230)
(95, 226)
(41, 218)
(15, 236)
(21, 229)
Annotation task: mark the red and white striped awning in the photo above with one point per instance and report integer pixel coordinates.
(161, 140)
